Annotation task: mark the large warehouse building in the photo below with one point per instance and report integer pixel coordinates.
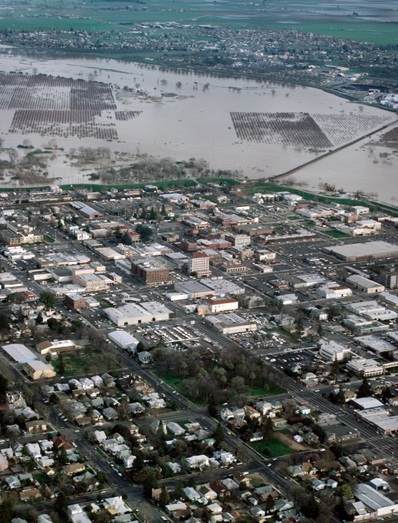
(364, 251)
(134, 314)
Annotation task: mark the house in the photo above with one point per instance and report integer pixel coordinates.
(73, 468)
(198, 462)
(116, 506)
(30, 494)
(206, 492)
(214, 508)
(38, 425)
(318, 485)
(191, 494)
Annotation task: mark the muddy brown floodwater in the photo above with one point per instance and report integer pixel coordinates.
(260, 129)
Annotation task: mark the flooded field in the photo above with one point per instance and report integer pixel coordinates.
(260, 129)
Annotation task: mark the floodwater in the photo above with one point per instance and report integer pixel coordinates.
(196, 123)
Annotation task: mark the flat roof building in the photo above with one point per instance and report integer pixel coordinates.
(365, 367)
(364, 251)
(123, 339)
(333, 351)
(152, 271)
(365, 284)
(134, 314)
(231, 323)
(37, 370)
(19, 352)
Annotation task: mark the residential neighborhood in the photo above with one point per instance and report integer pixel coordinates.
(213, 354)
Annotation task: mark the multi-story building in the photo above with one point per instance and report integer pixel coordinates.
(199, 264)
(152, 271)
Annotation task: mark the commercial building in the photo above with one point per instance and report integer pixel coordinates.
(152, 271)
(377, 345)
(75, 301)
(222, 305)
(333, 291)
(221, 287)
(365, 367)
(90, 282)
(361, 325)
(333, 351)
(19, 352)
(364, 251)
(56, 347)
(365, 285)
(239, 240)
(372, 310)
(37, 370)
(231, 323)
(380, 419)
(123, 339)
(377, 503)
(388, 276)
(341, 434)
(134, 314)
(390, 299)
(199, 264)
(194, 289)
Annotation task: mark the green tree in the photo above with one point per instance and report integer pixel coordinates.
(145, 232)
(267, 428)
(269, 504)
(346, 491)
(61, 365)
(150, 482)
(218, 435)
(3, 385)
(7, 509)
(48, 299)
(212, 406)
(126, 238)
(164, 497)
(4, 323)
(364, 389)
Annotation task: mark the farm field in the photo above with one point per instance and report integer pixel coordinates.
(371, 21)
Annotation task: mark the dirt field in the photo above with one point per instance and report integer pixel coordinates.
(298, 447)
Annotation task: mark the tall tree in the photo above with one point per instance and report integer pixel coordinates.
(364, 389)
(48, 299)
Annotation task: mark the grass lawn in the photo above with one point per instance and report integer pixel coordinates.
(41, 477)
(260, 392)
(336, 234)
(86, 362)
(293, 217)
(175, 383)
(48, 239)
(104, 303)
(274, 446)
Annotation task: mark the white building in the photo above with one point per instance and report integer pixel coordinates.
(372, 310)
(365, 284)
(123, 339)
(365, 367)
(134, 314)
(333, 351)
(332, 291)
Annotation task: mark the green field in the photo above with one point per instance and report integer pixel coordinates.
(317, 17)
(336, 234)
(175, 383)
(87, 362)
(259, 392)
(274, 446)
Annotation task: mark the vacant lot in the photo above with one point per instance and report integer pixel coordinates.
(273, 447)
